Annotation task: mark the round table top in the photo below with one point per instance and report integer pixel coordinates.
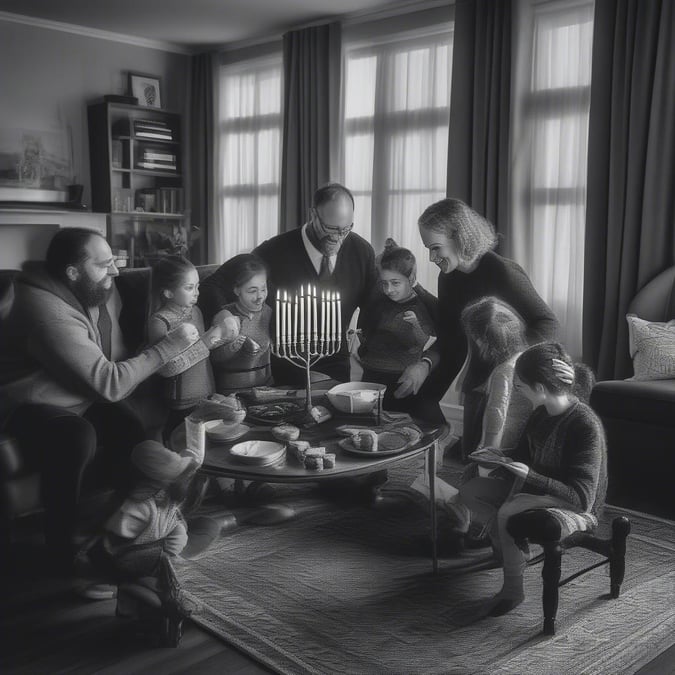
(218, 460)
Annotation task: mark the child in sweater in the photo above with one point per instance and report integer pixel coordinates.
(560, 463)
(187, 378)
(397, 326)
(244, 362)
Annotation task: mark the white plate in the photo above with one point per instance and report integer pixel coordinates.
(388, 443)
(219, 431)
(258, 452)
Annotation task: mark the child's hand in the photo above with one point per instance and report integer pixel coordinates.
(411, 318)
(225, 330)
(186, 334)
(236, 344)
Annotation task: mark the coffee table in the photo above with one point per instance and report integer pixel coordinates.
(219, 462)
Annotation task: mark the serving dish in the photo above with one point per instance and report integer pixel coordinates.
(223, 431)
(356, 397)
(273, 413)
(388, 442)
(258, 453)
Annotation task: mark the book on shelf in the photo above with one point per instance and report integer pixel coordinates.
(154, 135)
(164, 166)
(149, 156)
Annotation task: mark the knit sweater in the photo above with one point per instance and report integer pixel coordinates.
(389, 343)
(50, 350)
(243, 368)
(185, 389)
(567, 456)
(493, 276)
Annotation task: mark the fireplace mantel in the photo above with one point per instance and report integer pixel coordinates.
(25, 232)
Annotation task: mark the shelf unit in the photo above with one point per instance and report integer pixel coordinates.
(145, 205)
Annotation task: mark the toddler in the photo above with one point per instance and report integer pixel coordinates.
(397, 326)
(245, 361)
(188, 378)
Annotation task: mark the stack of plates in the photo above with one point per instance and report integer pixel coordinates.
(220, 431)
(258, 453)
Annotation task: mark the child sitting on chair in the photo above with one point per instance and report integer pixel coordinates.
(397, 326)
(560, 463)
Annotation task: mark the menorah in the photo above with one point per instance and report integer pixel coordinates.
(308, 328)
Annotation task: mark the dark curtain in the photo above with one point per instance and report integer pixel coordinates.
(201, 156)
(630, 216)
(311, 109)
(479, 107)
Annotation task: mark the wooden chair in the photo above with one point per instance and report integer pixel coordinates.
(540, 527)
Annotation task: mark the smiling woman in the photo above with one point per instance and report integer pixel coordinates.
(461, 242)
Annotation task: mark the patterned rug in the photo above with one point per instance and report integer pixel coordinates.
(347, 589)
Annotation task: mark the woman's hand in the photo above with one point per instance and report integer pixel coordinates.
(518, 468)
(412, 378)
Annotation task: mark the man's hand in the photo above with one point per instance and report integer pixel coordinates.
(412, 378)
(562, 371)
(411, 318)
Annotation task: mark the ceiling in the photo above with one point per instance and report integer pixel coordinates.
(191, 23)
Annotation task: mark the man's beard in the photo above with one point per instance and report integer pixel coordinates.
(91, 293)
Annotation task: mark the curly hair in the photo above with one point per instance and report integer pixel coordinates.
(535, 364)
(498, 327)
(472, 234)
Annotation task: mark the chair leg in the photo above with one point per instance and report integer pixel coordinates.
(550, 575)
(617, 557)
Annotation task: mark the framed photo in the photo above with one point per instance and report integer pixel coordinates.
(146, 88)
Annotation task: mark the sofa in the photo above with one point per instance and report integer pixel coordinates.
(639, 415)
(19, 485)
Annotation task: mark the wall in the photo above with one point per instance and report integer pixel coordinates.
(48, 77)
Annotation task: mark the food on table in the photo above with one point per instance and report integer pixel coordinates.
(217, 406)
(286, 432)
(314, 462)
(365, 440)
(320, 413)
(329, 460)
(319, 451)
(273, 412)
(297, 450)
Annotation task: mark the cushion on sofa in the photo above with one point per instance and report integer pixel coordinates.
(652, 348)
(648, 402)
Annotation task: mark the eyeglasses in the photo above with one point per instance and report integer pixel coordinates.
(340, 232)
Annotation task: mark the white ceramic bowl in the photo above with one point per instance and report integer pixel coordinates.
(258, 452)
(223, 431)
(355, 397)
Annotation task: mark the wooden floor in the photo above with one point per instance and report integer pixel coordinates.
(45, 627)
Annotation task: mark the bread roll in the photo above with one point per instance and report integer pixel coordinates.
(286, 432)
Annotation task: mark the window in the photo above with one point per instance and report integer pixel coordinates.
(550, 156)
(249, 156)
(395, 130)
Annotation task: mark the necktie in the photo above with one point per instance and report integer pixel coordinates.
(104, 329)
(325, 271)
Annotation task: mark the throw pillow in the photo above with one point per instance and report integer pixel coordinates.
(652, 348)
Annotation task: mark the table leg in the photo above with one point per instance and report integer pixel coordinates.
(431, 465)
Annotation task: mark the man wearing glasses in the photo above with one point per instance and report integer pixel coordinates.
(326, 253)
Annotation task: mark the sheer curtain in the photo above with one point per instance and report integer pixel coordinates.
(551, 99)
(395, 130)
(249, 155)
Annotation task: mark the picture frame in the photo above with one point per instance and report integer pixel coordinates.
(146, 88)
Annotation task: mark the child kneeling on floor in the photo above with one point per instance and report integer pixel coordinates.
(149, 530)
(560, 463)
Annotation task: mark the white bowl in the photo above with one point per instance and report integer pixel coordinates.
(223, 431)
(258, 452)
(355, 397)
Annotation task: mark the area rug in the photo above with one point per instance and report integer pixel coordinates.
(346, 589)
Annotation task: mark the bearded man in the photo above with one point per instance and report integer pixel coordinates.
(323, 252)
(65, 375)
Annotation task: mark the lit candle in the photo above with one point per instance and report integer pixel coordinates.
(288, 310)
(278, 318)
(333, 323)
(295, 319)
(314, 316)
(283, 321)
(302, 315)
(339, 317)
(309, 316)
(323, 316)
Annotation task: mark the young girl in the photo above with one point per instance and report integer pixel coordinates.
(397, 326)
(244, 362)
(188, 378)
(559, 465)
(496, 333)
